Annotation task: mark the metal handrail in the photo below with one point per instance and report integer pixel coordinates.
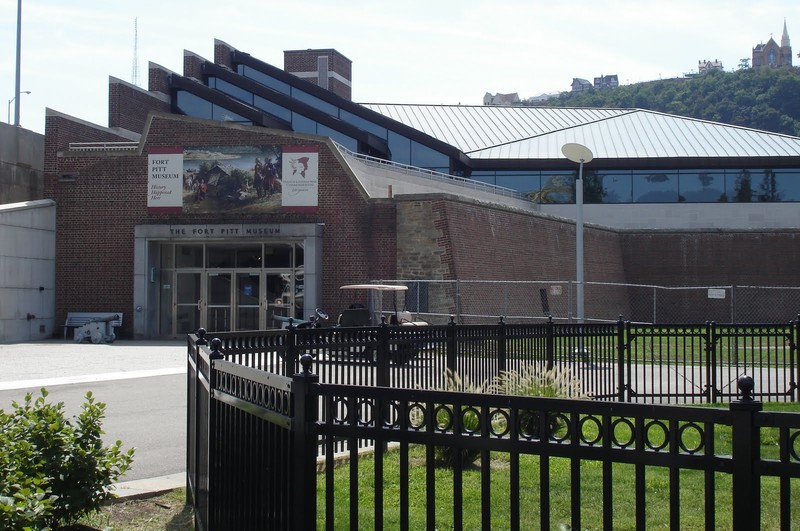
(431, 174)
(104, 146)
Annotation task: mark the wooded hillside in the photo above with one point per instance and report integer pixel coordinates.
(760, 98)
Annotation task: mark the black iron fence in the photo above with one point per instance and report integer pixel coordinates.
(614, 361)
(254, 439)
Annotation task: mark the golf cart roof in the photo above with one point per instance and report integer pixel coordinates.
(376, 287)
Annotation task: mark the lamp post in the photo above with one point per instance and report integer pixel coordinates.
(582, 155)
(16, 122)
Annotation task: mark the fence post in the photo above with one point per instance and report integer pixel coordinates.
(289, 362)
(501, 345)
(794, 355)
(191, 428)
(451, 344)
(549, 343)
(620, 359)
(709, 336)
(214, 518)
(746, 454)
(383, 356)
(304, 448)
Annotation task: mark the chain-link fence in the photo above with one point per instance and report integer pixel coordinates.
(483, 301)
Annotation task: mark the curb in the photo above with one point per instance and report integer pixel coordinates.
(144, 488)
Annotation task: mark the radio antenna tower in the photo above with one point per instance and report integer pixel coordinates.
(135, 68)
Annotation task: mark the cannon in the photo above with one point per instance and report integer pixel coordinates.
(98, 329)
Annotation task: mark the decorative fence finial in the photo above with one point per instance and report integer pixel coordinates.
(216, 347)
(201, 334)
(746, 386)
(306, 360)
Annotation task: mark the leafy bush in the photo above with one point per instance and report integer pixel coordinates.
(54, 470)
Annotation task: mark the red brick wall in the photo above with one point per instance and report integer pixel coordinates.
(98, 212)
(128, 107)
(698, 258)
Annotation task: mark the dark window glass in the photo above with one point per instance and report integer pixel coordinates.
(315, 102)
(231, 89)
(249, 256)
(278, 255)
(593, 191)
(788, 184)
(739, 186)
(220, 256)
(655, 187)
(615, 187)
(264, 79)
(525, 182)
(361, 123)
(765, 185)
(346, 141)
(188, 256)
(273, 108)
(425, 157)
(301, 124)
(557, 187)
(224, 115)
(400, 147)
(701, 186)
(487, 177)
(194, 106)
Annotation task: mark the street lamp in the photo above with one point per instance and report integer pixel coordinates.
(582, 155)
(12, 101)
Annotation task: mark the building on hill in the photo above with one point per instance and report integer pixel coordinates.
(579, 84)
(604, 82)
(501, 99)
(312, 191)
(771, 54)
(707, 66)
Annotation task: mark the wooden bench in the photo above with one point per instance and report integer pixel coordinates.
(76, 319)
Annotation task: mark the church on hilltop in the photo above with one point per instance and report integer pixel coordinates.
(770, 54)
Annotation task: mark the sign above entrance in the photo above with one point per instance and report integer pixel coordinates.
(164, 180)
(241, 231)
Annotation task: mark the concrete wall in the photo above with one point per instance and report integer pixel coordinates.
(27, 262)
(685, 216)
(21, 165)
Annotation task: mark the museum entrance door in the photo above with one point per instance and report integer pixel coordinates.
(225, 299)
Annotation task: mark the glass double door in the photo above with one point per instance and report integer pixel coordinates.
(231, 300)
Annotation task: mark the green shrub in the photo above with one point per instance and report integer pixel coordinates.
(54, 470)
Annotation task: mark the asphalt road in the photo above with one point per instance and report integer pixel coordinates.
(142, 384)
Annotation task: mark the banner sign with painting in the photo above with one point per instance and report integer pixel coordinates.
(164, 180)
(247, 179)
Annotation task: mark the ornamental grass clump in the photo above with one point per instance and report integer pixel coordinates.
(54, 470)
(536, 379)
(445, 456)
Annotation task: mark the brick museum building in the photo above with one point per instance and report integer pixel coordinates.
(237, 191)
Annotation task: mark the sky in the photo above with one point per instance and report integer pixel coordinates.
(415, 51)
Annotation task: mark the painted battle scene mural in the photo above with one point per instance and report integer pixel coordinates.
(246, 179)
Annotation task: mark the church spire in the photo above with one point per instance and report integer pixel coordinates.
(785, 36)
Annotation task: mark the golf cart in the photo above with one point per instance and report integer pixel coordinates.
(361, 315)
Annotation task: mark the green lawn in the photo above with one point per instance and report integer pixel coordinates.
(692, 491)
